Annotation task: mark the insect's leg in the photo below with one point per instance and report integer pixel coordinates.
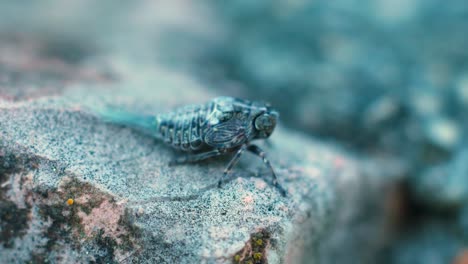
(259, 152)
(231, 164)
(196, 157)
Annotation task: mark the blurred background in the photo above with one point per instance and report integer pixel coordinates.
(385, 79)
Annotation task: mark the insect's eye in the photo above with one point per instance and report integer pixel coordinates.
(265, 122)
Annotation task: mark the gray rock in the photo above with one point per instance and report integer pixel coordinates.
(130, 206)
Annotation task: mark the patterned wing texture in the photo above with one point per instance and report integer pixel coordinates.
(227, 135)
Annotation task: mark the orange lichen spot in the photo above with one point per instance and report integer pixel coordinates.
(70, 201)
(258, 256)
(237, 258)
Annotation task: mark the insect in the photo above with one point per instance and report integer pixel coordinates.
(222, 126)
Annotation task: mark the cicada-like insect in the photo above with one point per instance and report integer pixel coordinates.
(222, 126)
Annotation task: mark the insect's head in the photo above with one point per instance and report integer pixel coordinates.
(233, 122)
(244, 114)
(265, 122)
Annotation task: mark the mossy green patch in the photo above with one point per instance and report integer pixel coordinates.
(128, 239)
(61, 223)
(11, 163)
(67, 227)
(106, 248)
(8, 164)
(76, 189)
(254, 251)
(64, 223)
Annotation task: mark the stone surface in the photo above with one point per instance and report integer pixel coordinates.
(130, 206)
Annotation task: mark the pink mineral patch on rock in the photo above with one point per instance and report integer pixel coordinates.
(105, 217)
(260, 184)
(248, 200)
(83, 199)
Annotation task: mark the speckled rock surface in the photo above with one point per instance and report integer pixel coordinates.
(74, 188)
(130, 206)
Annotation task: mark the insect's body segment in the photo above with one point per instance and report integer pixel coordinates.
(183, 128)
(223, 125)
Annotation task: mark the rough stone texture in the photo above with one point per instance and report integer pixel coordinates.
(130, 206)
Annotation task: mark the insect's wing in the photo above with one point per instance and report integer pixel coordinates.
(227, 135)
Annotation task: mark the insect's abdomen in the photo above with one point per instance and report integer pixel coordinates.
(183, 128)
